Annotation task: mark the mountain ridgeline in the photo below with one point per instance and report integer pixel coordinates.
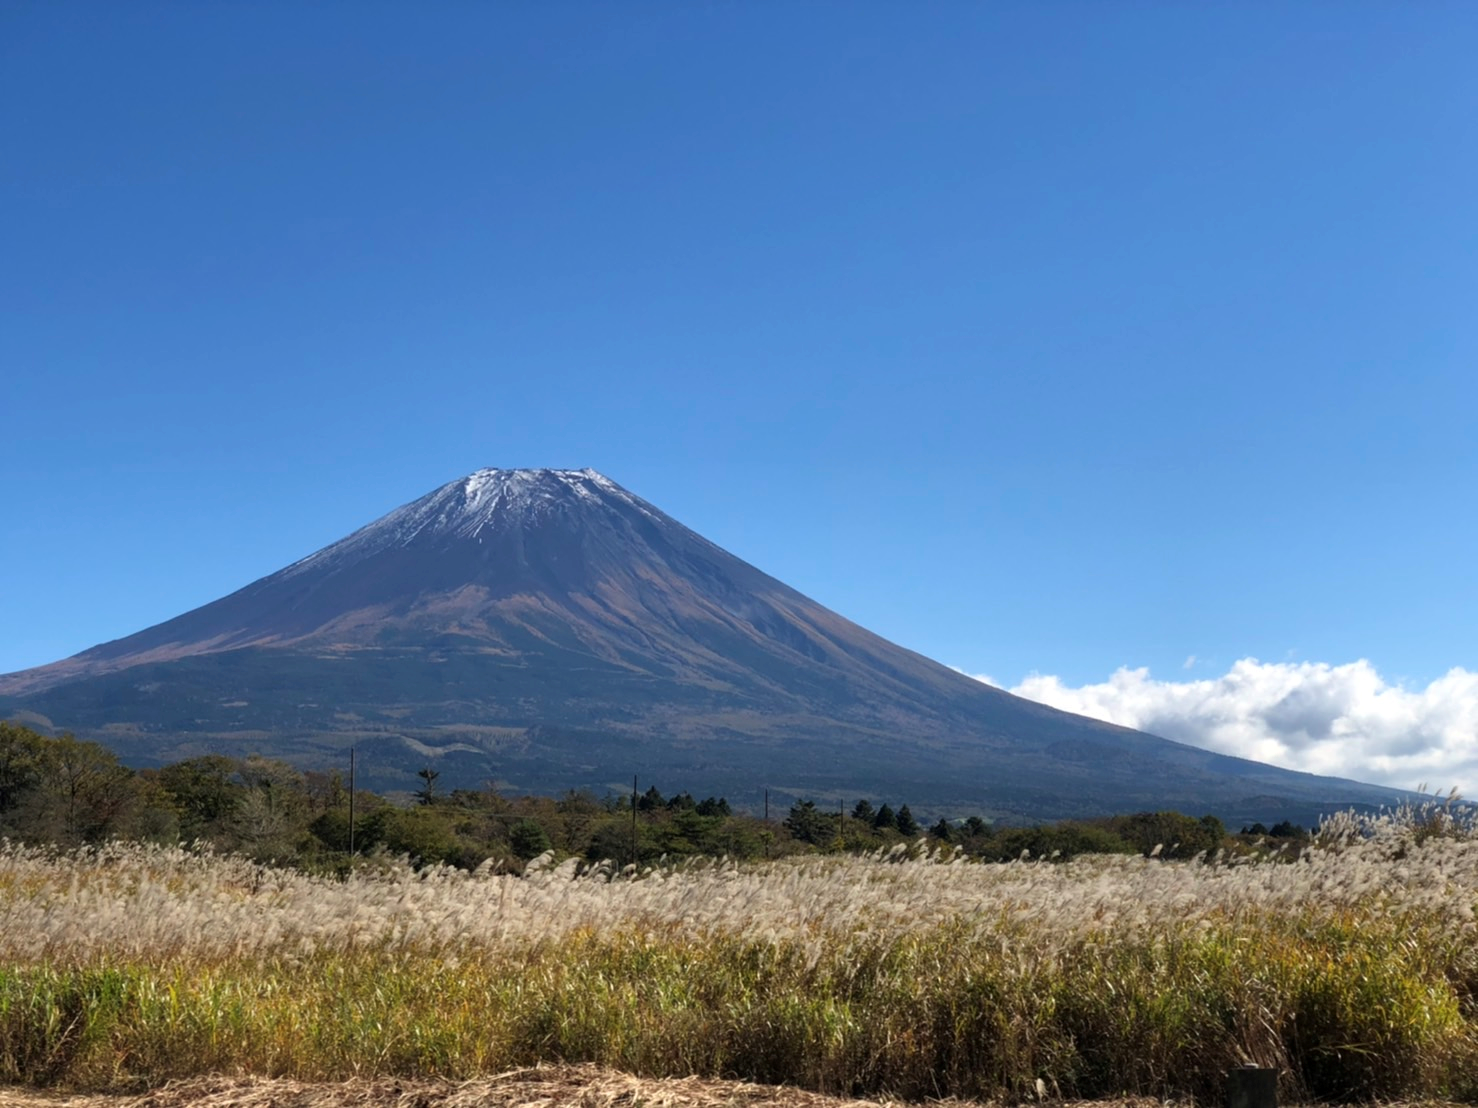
(548, 629)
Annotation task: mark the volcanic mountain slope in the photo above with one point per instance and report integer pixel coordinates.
(549, 629)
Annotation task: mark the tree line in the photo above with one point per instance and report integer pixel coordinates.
(71, 792)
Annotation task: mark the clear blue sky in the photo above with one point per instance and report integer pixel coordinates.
(1049, 337)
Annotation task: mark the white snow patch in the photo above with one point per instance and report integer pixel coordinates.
(487, 500)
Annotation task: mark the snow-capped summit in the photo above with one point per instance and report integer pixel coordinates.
(487, 501)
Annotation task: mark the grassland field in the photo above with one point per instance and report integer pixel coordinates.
(911, 974)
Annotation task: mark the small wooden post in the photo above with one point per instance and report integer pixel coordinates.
(633, 823)
(1252, 1087)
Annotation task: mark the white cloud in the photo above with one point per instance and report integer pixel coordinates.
(1342, 720)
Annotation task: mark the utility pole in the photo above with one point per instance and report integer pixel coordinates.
(633, 823)
(765, 835)
(351, 802)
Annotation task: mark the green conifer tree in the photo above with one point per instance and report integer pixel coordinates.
(907, 825)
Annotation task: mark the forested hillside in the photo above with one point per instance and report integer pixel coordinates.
(68, 792)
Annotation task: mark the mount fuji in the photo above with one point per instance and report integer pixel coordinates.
(547, 629)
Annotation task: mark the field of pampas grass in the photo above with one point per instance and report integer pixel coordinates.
(1353, 970)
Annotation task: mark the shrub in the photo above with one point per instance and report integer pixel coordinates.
(528, 839)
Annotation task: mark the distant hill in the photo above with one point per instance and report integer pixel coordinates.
(548, 629)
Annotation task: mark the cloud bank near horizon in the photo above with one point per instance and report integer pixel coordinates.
(1340, 720)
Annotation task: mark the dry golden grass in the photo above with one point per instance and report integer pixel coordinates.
(126, 903)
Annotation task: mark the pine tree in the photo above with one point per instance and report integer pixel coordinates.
(806, 824)
(714, 806)
(907, 825)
